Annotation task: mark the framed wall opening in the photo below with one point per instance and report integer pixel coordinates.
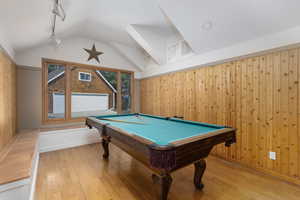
(73, 91)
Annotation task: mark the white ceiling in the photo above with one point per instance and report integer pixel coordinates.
(233, 21)
(27, 23)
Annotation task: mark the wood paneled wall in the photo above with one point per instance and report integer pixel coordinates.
(259, 96)
(7, 100)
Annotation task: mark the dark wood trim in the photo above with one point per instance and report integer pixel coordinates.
(200, 167)
(165, 185)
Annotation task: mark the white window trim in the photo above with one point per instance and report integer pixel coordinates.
(87, 73)
(106, 81)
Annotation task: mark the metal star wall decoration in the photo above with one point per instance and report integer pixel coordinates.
(93, 53)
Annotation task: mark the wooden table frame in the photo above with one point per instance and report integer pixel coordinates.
(163, 160)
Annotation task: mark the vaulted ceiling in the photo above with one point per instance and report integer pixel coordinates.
(27, 23)
(204, 25)
(212, 24)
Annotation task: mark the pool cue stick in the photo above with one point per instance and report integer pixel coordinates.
(114, 120)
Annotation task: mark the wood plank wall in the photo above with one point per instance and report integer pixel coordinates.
(7, 100)
(259, 96)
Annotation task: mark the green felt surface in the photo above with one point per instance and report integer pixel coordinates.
(160, 130)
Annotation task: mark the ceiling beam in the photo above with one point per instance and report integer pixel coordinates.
(150, 40)
(132, 54)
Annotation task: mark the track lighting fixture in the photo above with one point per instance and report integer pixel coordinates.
(58, 10)
(55, 40)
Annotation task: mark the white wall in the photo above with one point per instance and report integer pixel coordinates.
(252, 47)
(29, 101)
(62, 139)
(72, 50)
(6, 46)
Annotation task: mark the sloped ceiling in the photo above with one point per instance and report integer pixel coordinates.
(215, 24)
(27, 23)
(205, 25)
(152, 39)
(132, 54)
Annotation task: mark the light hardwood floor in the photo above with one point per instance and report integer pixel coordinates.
(81, 174)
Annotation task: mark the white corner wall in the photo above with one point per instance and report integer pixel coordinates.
(251, 47)
(6, 46)
(67, 138)
(72, 50)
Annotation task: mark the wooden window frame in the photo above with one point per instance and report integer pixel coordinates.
(68, 118)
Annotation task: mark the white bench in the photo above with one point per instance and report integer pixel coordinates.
(18, 167)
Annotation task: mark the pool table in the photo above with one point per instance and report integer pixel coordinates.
(164, 144)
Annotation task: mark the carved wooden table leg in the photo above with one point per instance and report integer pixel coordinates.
(155, 178)
(165, 185)
(105, 143)
(200, 167)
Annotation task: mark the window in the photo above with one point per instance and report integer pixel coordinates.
(83, 76)
(126, 92)
(74, 91)
(56, 81)
(94, 97)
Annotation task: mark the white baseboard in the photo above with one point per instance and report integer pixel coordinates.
(62, 139)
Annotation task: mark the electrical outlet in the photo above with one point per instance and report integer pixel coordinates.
(272, 155)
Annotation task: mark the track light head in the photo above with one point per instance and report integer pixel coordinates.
(55, 40)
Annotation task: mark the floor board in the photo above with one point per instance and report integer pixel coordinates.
(81, 174)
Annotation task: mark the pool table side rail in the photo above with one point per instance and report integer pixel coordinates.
(94, 122)
(229, 132)
(164, 118)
